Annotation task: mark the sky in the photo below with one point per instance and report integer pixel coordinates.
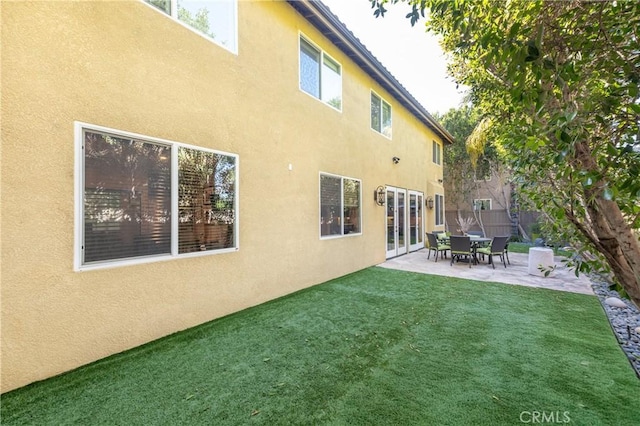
(413, 56)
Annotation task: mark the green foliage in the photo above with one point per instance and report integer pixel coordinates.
(461, 163)
(199, 21)
(559, 82)
(460, 123)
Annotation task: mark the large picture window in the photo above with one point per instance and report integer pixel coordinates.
(340, 206)
(206, 200)
(215, 19)
(140, 198)
(320, 75)
(380, 115)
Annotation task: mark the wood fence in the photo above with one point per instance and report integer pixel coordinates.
(496, 222)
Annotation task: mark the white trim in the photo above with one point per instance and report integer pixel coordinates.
(435, 196)
(398, 249)
(419, 244)
(440, 153)
(342, 178)
(391, 109)
(173, 16)
(323, 53)
(79, 127)
(78, 185)
(475, 201)
(175, 200)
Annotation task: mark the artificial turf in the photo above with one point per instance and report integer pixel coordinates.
(377, 347)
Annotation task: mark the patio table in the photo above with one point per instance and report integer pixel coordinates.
(479, 240)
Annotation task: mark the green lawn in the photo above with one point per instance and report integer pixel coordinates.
(377, 347)
(515, 247)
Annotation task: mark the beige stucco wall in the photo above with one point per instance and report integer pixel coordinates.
(125, 66)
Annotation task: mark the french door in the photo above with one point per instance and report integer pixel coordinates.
(396, 221)
(416, 220)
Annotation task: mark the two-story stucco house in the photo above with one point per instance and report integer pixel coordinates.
(169, 162)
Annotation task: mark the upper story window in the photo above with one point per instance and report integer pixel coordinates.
(437, 153)
(482, 204)
(140, 198)
(215, 19)
(340, 206)
(380, 115)
(320, 75)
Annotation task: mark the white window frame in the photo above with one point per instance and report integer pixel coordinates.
(302, 36)
(342, 234)
(382, 102)
(79, 128)
(480, 201)
(437, 158)
(439, 210)
(173, 15)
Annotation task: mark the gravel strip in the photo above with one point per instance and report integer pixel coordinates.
(625, 322)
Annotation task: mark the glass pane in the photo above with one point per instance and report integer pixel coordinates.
(401, 216)
(391, 221)
(351, 191)
(127, 198)
(439, 207)
(413, 219)
(163, 5)
(330, 205)
(419, 231)
(386, 119)
(206, 200)
(331, 83)
(375, 112)
(216, 19)
(309, 69)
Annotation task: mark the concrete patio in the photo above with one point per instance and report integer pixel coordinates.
(562, 278)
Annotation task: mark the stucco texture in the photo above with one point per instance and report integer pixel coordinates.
(124, 65)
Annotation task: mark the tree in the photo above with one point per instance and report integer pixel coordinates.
(558, 86)
(458, 171)
(466, 166)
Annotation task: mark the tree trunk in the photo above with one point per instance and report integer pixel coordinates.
(619, 245)
(609, 232)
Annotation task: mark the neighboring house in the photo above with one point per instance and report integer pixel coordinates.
(163, 169)
(490, 201)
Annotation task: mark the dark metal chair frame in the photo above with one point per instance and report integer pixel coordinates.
(434, 244)
(461, 247)
(497, 248)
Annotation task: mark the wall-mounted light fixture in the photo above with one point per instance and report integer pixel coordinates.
(429, 202)
(378, 195)
(396, 160)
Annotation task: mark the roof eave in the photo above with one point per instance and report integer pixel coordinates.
(320, 16)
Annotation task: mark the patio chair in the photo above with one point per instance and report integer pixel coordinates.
(437, 246)
(496, 248)
(442, 236)
(461, 247)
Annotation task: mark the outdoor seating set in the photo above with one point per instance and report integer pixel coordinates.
(468, 247)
